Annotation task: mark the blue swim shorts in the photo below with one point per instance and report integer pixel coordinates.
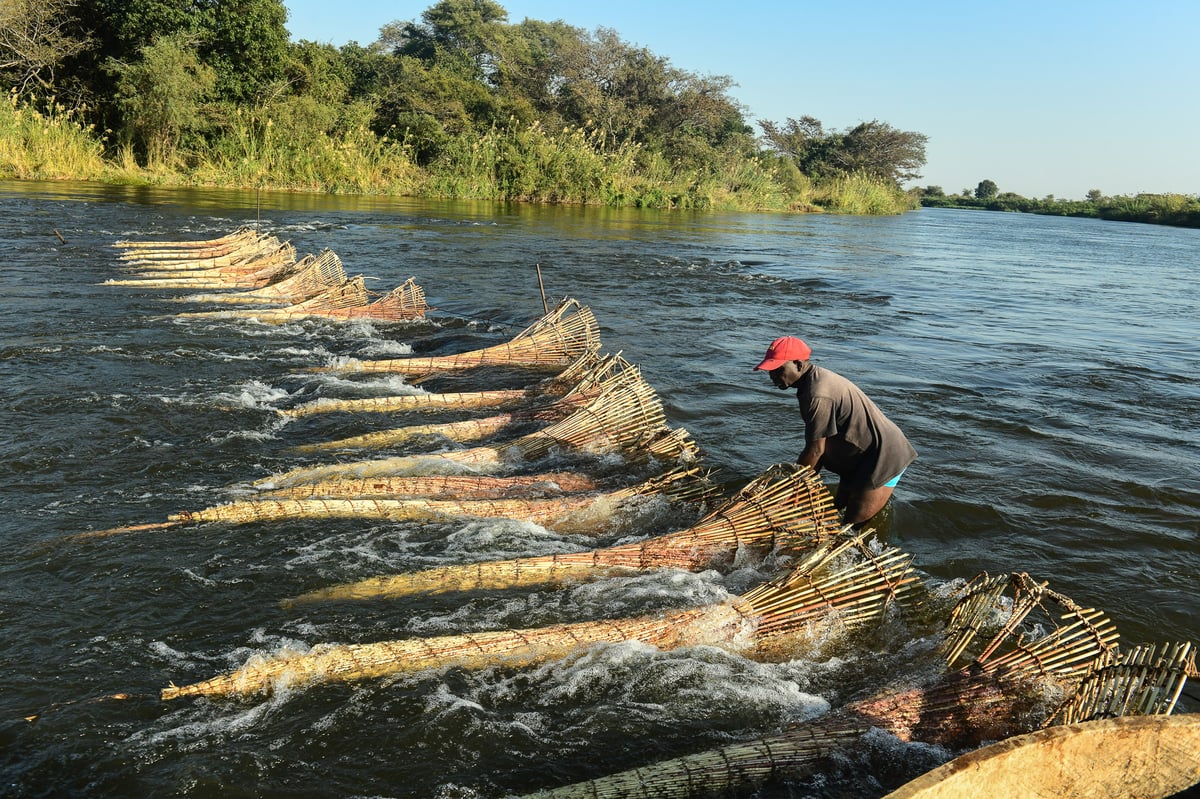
(895, 480)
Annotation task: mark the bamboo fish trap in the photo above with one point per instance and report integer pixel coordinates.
(557, 339)
(1001, 693)
(584, 379)
(822, 588)
(786, 508)
(314, 274)
(622, 417)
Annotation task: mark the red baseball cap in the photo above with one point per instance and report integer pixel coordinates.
(782, 350)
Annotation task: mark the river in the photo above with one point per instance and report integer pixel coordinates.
(1045, 369)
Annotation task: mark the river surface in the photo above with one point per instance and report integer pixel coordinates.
(1044, 368)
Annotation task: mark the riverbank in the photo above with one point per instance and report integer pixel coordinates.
(522, 163)
(1175, 210)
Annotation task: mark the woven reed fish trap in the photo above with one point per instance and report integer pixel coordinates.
(584, 379)
(250, 274)
(1002, 692)
(824, 588)
(622, 417)
(226, 242)
(555, 340)
(190, 261)
(785, 510)
(344, 302)
(681, 484)
(445, 486)
(313, 274)
(581, 511)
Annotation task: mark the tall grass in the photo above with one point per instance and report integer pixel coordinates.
(299, 145)
(861, 194)
(48, 143)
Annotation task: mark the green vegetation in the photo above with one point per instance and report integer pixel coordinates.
(1179, 210)
(459, 104)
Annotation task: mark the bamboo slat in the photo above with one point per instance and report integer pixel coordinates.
(786, 508)
(557, 339)
(736, 625)
(244, 275)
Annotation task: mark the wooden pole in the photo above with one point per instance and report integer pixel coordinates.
(541, 288)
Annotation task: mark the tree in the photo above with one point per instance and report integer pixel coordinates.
(1095, 195)
(36, 38)
(874, 148)
(986, 190)
(160, 95)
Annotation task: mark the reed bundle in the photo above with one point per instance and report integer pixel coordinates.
(226, 242)
(736, 625)
(623, 416)
(682, 484)
(557, 339)
(787, 507)
(461, 486)
(313, 275)
(586, 378)
(991, 697)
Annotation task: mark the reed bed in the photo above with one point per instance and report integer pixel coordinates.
(314, 274)
(622, 417)
(1006, 692)
(787, 508)
(584, 379)
(557, 339)
(742, 624)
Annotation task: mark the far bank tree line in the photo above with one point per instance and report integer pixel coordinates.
(460, 103)
(1178, 210)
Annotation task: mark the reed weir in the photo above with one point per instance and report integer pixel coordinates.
(1011, 687)
(786, 509)
(557, 339)
(825, 589)
(623, 416)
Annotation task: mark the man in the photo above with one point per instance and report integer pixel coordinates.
(844, 431)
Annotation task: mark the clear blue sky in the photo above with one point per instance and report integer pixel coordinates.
(1041, 96)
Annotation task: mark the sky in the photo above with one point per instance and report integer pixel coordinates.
(1044, 97)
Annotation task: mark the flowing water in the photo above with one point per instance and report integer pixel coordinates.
(1044, 368)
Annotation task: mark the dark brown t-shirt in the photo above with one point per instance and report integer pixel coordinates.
(861, 444)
